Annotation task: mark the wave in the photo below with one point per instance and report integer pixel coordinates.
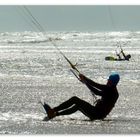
(27, 37)
(70, 38)
(26, 41)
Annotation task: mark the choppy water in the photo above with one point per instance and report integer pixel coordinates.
(31, 69)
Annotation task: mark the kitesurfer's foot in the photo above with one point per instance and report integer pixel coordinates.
(51, 113)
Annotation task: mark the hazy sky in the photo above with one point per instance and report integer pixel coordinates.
(71, 18)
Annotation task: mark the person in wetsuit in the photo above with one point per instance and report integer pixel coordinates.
(109, 95)
(119, 56)
(125, 57)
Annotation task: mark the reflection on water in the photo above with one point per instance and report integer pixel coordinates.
(34, 70)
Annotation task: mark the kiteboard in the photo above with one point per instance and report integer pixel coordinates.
(110, 58)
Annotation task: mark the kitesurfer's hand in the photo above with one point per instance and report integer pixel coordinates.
(82, 78)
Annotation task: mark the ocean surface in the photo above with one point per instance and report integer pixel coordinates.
(32, 69)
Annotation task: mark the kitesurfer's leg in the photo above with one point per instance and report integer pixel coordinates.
(74, 104)
(67, 104)
(67, 111)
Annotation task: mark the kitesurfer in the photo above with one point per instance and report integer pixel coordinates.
(125, 57)
(108, 93)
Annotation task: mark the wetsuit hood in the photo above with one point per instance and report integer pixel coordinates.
(114, 78)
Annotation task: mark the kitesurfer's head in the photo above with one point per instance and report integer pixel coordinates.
(114, 79)
(128, 56)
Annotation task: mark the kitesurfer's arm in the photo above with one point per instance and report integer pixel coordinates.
(119, 57)
(94, 90)
(88, 81)
(123, 54)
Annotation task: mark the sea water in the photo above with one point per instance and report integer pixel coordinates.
(32, 69)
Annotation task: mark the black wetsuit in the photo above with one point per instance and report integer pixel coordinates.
(126, 57)
(109, 96)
